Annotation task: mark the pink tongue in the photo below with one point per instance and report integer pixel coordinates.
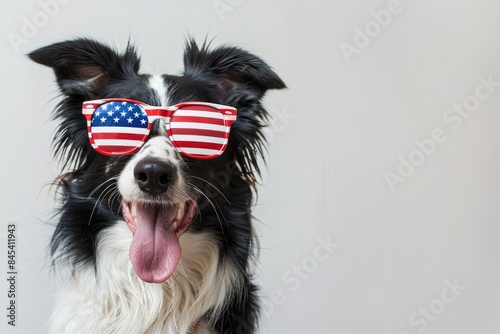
(155, 250)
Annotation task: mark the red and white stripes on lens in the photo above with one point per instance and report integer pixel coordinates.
(120, 126)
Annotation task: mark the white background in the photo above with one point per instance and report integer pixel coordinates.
(348, 124)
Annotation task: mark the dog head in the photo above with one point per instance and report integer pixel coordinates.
(157, 190)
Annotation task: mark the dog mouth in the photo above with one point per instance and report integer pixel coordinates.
(155, 249)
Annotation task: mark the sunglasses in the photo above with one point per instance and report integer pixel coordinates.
(197, 130)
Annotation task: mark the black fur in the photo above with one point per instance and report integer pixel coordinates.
(86, 69)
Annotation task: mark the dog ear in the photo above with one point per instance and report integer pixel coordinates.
(235, 71)
(240, 79)
(84, 66)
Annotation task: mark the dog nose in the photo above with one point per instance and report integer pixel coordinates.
(154, 176)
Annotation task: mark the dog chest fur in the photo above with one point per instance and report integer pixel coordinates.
(115, 300)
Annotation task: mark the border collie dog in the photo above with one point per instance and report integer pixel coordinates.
(154, 231)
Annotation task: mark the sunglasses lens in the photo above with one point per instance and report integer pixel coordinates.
(119, 128)
(198, 131)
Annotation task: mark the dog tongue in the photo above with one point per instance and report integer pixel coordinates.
(155, 249)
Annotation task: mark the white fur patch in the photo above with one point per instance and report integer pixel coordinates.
(115, 300)
(157, 83)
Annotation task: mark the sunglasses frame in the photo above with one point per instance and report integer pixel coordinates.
(153, 113)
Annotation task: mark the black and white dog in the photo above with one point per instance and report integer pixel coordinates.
(154, 239)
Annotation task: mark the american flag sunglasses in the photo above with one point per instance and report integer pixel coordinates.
(197, 130)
